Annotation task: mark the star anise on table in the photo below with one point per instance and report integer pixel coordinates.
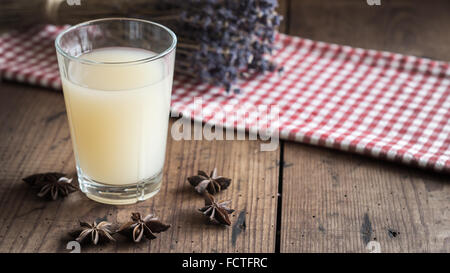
(216, 211)
(51, 185)
(95, 233)
(211, 183)
(140, 227)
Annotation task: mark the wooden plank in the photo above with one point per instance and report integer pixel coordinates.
(283, 10)
(414, 27)
(35, 138)
(349, 200)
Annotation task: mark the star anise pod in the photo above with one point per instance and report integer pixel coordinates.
(52, 185)
(95, 233)
(216, 211)
(211, 183)
(138, 227)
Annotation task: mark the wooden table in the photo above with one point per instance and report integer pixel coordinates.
(298, 198)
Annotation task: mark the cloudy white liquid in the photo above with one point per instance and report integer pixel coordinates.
(118, 115)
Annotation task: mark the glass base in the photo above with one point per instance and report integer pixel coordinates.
(120, 194)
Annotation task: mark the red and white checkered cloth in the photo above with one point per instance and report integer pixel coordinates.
(382, 104)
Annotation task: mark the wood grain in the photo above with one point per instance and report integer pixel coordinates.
(35, 138)
(283, 10)
(349, 200)
(414, 27)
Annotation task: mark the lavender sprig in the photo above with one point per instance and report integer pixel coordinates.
(219, 39)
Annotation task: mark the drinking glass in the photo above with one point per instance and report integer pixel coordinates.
(117, 76)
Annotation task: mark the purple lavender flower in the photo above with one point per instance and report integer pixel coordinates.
(219, 39)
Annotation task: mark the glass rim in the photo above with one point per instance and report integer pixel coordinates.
(139, 61)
